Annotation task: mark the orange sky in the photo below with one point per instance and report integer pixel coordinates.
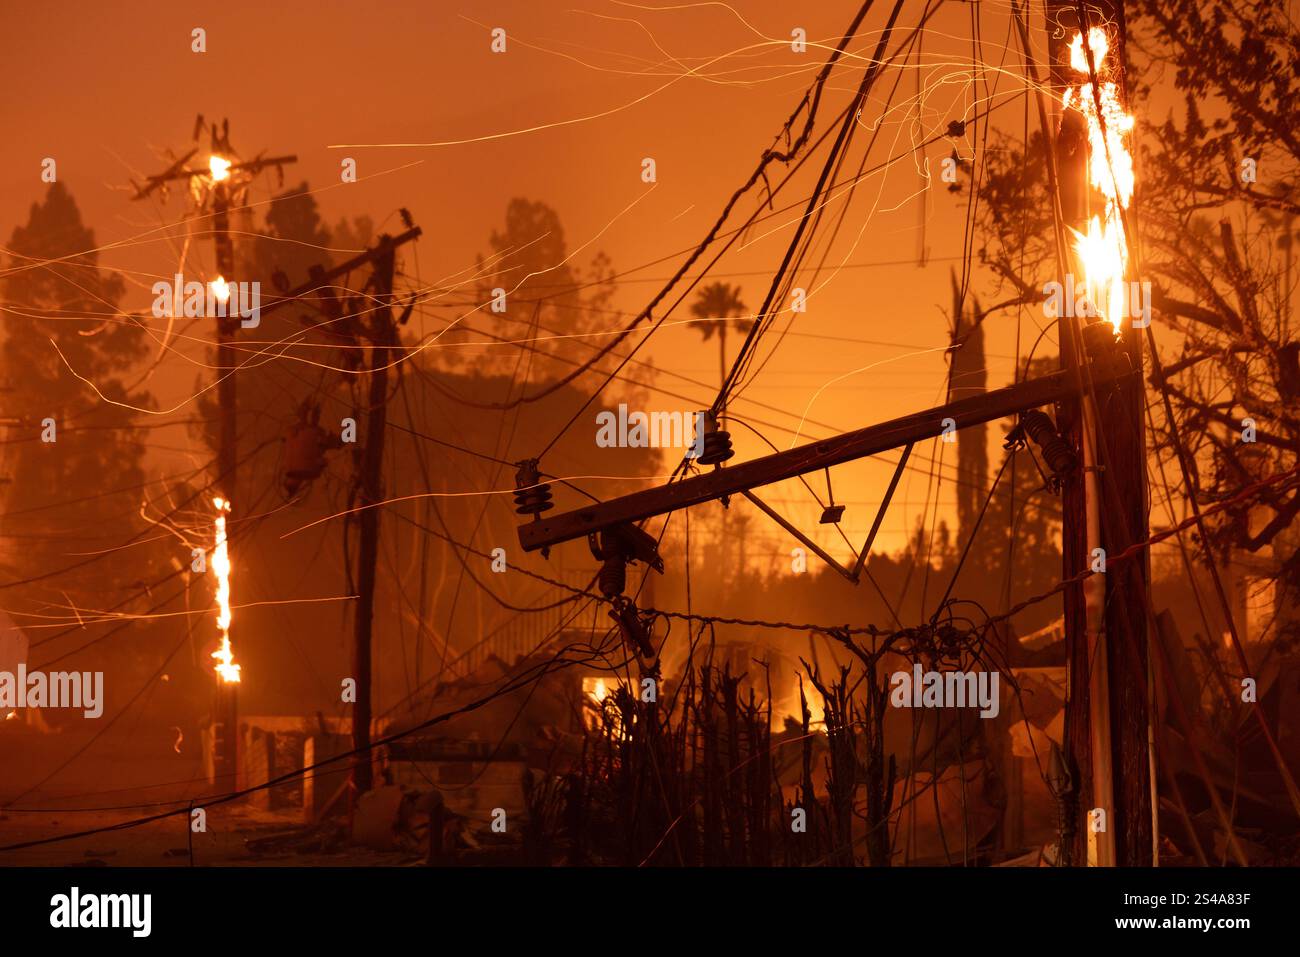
(104, 89)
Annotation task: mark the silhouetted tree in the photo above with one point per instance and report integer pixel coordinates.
(720, 301)
(547, 294)
(67, 354)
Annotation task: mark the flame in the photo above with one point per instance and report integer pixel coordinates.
(219, 168)
(225, 667)
(1103, 251)
(1099, 43)
(220, 289)
(595, 693)
(816, 706)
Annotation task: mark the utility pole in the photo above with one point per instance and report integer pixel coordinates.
(221, 172)
(226, 325)
(381, 332)
(546, 532)
(228, 178)
(613, 522)
(1087, 728)
(383, 336)
(1108, 734)
(610, 526)
(1126, 504)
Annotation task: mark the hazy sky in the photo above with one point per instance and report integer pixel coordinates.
(106, 88)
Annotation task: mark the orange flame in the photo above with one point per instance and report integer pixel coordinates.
(1103, 251)
(225, 667)
(596, 692)
(219, 168)
(816, 705)
(220, 289)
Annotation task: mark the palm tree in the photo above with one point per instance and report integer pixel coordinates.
(720, 301)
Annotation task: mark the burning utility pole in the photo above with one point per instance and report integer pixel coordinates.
(1108, 743)
(224, 247)
(222, 180)
(225, 725)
